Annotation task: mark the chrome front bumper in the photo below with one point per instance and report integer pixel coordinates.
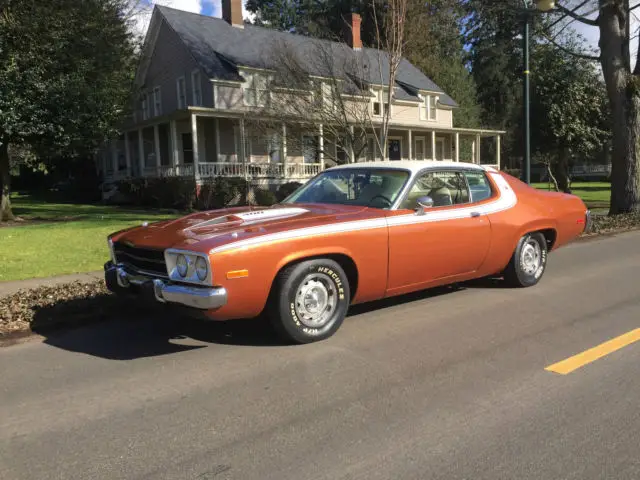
(120, 280)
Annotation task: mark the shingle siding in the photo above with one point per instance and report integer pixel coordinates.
(169, 61)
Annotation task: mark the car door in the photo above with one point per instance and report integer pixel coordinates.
(448, 240)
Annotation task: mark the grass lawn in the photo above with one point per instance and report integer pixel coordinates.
(62, 238)
(594, 194)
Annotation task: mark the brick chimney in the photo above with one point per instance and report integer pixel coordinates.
(352, 31)
(232, 12)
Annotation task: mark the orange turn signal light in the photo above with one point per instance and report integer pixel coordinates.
(237, 274)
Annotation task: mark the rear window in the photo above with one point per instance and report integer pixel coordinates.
(479, 186)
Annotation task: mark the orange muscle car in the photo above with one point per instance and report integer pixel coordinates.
(352, 234)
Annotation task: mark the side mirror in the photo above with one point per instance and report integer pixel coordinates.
(422, 203)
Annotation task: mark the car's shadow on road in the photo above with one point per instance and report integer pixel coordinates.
(123, 331)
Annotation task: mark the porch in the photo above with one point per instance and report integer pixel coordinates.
(232, 147)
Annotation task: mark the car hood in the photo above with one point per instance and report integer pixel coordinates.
(203, 231)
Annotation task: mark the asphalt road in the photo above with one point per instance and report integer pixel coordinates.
(445, 385)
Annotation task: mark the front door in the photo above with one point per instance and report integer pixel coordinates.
(448, 241)
(395, 149)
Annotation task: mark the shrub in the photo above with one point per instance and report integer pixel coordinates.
(286, 189)
(264, 197)
(160, 192)
(219, 192)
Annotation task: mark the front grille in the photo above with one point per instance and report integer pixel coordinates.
(147, 260)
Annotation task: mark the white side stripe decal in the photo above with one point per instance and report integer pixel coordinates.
(506, 200)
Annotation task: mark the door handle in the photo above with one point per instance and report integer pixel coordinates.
(475, 214)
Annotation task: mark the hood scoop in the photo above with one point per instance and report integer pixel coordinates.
(250, 217)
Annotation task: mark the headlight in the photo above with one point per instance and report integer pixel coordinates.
(201, 269)
(182, 265)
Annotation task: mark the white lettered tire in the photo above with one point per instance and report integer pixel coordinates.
(529, 261)
(309, 300)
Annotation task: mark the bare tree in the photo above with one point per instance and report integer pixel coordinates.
(322, 84)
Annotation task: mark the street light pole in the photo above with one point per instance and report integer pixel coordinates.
(526, 103)
(542, 6)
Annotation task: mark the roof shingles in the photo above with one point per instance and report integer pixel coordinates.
(220, 48)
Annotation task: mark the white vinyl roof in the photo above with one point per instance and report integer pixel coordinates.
(413, 166)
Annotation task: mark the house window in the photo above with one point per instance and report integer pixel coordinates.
(187, 148)
(379, 103)
(157, 101)
(196, 88)
(274, 145)
(310, 150)
(145, 106)
(429, 107)
(182, 93)
(255, 89)
(371, 149)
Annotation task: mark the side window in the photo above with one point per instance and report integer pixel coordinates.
(479, 186)
(444, 187)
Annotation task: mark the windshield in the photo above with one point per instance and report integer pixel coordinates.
(368, 187)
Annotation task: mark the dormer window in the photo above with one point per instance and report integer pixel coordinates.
(429, 107)
(255, 89)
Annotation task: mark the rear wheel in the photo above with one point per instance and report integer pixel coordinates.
(529, 261)
(309, 300)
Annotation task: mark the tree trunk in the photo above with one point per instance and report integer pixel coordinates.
(624, 165)
(623, 92)
(562, 172)
(5, 183)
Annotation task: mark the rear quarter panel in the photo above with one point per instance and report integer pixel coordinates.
(535, 210)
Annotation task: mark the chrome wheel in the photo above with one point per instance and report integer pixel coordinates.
(316, 300)
(531, 257)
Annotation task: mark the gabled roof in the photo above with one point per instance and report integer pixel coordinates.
(220, 49)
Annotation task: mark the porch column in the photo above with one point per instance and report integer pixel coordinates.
(141, 152)
(156, 146)
(457, 146)
(498, 151)
(127, 153)
(477, 160)
(433, 145)
(321, 146)
(243, 156)
(175, 153)
(352, 155)
(285, 171)
(194, 143)
(410, 145)
(217, 126)
(473, 151)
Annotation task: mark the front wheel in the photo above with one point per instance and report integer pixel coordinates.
(528, 262)
(310, 300)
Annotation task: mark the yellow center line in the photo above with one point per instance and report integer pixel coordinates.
(581, 359)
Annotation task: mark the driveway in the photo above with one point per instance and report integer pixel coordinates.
(448, 384)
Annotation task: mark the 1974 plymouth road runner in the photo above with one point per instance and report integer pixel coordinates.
(352, 234)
